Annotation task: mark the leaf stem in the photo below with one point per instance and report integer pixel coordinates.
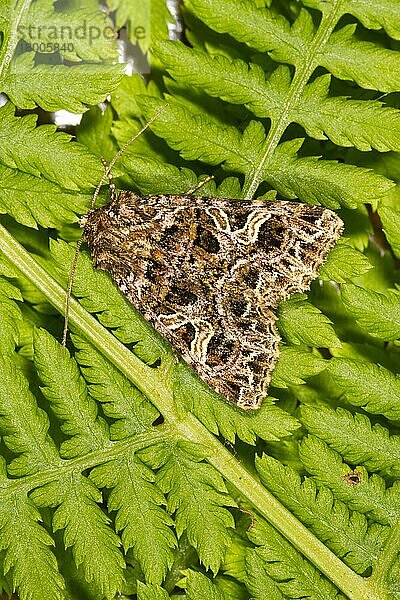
(10, 44)
(155, 385)
(299, 81)
(387, 557)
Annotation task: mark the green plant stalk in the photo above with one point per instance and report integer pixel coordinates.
(118, 449)
(299, 81)
(155, 386)
(387, 557)
(10, 43)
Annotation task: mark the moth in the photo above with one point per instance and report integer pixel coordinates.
(209, 272)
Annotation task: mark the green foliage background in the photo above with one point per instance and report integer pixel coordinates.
(121, 472)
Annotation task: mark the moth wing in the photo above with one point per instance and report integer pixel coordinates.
(208, 272)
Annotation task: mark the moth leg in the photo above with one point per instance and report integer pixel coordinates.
(113, 191)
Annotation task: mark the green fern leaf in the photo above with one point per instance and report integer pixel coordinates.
(24, 84)
(363, 124)
(389, 214)
(18, 409)
(198, 497)
(307, 178)
(369, 65)
(294, 575)
(347, 534)
(10, 316)
(86, 529)
(20, 141)
(151, 592)
(170, 179)
(146, 22)
(28, 557)
(130, 410)
(35, 201)
(33, 30)
(69, 28)
(259, 583)
(199, 586)
(307, 365)
(369, 496)
(65, 390)
(311, 179)
(368, 385)
(247, 23)
(344, 263)
(387, 16)
(144, 524)
(373, 447)
(375, 312)
(302, 323)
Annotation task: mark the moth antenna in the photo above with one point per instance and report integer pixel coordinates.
(119, 153)
(111, 184)
(200, 184)
(106, 175)
(69, 290)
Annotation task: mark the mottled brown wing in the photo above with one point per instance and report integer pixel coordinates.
(208, 272)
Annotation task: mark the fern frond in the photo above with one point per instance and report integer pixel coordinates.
(198, 497)
(199, 586)
(146, 22)
(306, 178)
(369, 496)
(349, 535)
(386, 17)
(258, 582)
(56, 86)
(28, 557)
(302, 323)
(307, 365)
(377, 313)
(22, 85)
(282, 563)
(130, 410)
(248, 23)
(86, 529)
(371, 386)
(65, 390)
(364, 124)
(24, 426)
(358, 226)
(346, 57)
(10, 316)
(89, 32)
(34, 201)
(151, 592)
(21, 140)
(170, 178)
(344, 263)
(373, 447)
(95, 132)
(389, 214)
(145, 525)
